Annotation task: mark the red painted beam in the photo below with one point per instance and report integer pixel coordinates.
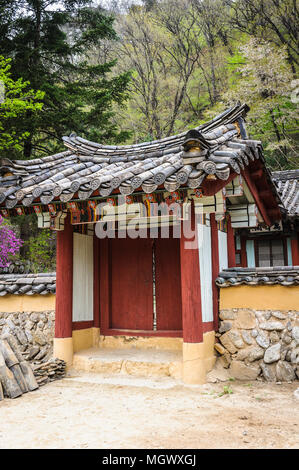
(82, 325)
(231, 249)
(295, 250)
(256, 175)
(211, 187)
(215, 269)
(208, 326)
(64, 281)
(257, 197)
(190, 287)
(143, 333)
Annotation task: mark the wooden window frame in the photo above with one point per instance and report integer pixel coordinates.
(270, 239)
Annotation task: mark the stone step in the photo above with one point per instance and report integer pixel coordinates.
(123, 380)
(134, 362)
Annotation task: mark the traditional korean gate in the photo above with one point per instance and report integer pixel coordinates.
(143, 293)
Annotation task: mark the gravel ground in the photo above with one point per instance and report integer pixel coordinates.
(120, 412)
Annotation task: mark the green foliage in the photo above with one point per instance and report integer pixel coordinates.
(39, 245)
(50, 43)
(226, 391)
(264, 82)
(16, 99)
(191, 60)
(41, 251)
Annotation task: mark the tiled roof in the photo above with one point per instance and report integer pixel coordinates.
(288, 189)
(16, 267)
(87, 166)
(29, 284)
(284, 275)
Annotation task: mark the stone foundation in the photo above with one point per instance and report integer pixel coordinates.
(259, 343)
(34, 332)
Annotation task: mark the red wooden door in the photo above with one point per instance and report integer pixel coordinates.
(168, 284)
(126, 286)
(131, 284)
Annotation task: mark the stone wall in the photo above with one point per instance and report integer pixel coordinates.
(259, 344)
(34, 332)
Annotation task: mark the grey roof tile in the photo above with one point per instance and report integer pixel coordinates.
(29, 284)
(284, 275)
(88, 166)
(287, 182)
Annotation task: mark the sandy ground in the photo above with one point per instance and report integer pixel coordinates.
(91, 411)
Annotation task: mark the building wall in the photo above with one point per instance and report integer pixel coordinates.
(205, 268)
(31, 319)
(25, 303)
(259, 332)
(276, 297)
(82, 278)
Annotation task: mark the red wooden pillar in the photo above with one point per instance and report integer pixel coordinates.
(96, 281)
(190, 287)
(215, 268)
(64, 281)
(243, 253)
(295, 250)
(231, 249)
(105, 285)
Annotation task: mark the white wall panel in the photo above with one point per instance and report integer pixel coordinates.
(222, 246)
(205, 266)
(289, 247)
(82, 278)
(250, 253)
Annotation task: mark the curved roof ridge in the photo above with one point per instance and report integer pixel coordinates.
(226, 117)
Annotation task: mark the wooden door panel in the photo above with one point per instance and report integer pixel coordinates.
(131, 284)
(168, 284)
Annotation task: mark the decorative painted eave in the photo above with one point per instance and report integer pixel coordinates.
(213, 150)
(283, 275)
(288, 188)
(29, 284)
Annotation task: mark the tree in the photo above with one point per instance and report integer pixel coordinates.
(49, 42)
(9, 243)
(15, 101)
(177, 51)
(162, 46)
(275, 21)
(264, 81)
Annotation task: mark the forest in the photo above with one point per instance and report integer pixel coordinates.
(119, 72)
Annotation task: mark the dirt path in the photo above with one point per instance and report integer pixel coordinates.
(91, 412)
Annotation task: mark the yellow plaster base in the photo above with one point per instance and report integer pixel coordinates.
(198, 359)
(275, 297)
(27, 303)
(63, 349)
(85, 339)
(129, 342)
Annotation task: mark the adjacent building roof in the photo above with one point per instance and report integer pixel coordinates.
(29, 284)
(288, 189)
(45, 283)
(284, 275)
(216, 148)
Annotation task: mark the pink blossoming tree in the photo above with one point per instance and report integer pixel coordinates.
(9, 243)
